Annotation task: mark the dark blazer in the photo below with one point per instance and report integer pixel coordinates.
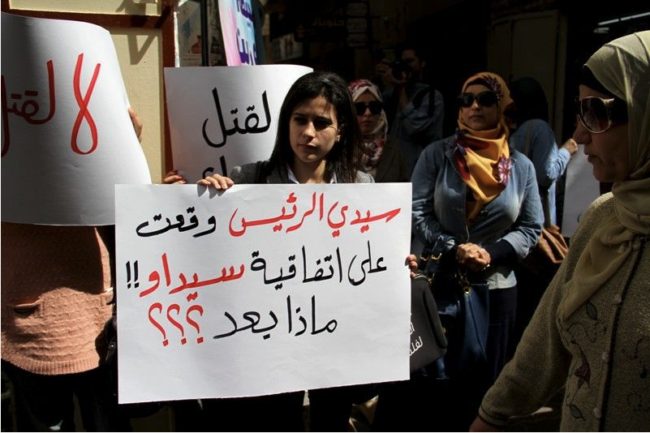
(392, 167)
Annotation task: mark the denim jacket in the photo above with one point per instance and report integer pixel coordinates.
(550, 161)
(514, 216)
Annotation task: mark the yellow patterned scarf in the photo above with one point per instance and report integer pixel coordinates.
(483, 157)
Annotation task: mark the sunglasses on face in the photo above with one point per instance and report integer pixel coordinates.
(598, 114)
(375, 107)
(486, 99)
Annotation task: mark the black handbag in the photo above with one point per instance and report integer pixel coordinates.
(130, 410)
(428, 342)
(463, 304)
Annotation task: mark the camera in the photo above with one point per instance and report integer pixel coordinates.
(398, 68)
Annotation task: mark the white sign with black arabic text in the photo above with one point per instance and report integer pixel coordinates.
(260, 290)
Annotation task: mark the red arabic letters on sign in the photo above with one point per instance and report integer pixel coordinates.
(27, 105)
(84, 113)
(30, 107)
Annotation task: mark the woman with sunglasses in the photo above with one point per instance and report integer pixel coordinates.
(382, 157)
(591, 331)
(471, 190)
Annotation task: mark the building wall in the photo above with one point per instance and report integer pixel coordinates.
(139, 52)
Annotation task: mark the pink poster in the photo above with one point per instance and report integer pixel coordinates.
(238, 28)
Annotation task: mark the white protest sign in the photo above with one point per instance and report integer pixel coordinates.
(260, 290)
(67, 138)
(581, 188)
(221, 117)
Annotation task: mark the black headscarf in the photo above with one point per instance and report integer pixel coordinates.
(530, 100)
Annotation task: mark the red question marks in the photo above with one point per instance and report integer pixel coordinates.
(173, 316)
(158, 306)
(198, 308)
(177, 308)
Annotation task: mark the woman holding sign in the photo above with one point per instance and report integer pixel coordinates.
(319, 140)
(57, 297)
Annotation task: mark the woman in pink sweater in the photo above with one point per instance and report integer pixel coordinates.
(57, 297)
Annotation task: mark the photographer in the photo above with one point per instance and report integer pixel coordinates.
(414, 109)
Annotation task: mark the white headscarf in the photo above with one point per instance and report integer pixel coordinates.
(623, 68)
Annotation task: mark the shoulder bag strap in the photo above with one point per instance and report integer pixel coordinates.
(527, 142)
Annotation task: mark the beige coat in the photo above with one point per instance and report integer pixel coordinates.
(601, 353)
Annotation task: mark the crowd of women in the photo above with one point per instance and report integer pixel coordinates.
(474, 189)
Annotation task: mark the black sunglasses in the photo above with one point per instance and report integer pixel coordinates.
(375, 107)
(598, 114)
(486, 99)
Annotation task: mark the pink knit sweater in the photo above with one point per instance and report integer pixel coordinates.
(56, 289)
